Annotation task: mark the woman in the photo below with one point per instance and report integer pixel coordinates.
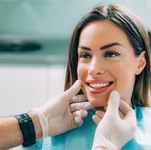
(110, 50)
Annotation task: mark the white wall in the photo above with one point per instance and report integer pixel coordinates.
(25, 87)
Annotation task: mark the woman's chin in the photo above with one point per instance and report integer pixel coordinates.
(98, 103)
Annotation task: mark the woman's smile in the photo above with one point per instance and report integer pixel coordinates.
(98, 87)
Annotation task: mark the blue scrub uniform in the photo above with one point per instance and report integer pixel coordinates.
(82, 138)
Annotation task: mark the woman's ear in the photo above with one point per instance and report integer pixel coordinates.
(141, 63)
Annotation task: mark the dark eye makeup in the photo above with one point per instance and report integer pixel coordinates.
(111, 54)
(85, 55)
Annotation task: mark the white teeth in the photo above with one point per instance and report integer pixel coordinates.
(99, 85)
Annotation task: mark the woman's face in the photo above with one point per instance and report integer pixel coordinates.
(106, 62)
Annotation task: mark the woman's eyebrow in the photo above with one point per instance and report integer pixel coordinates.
(84, 47)
(103, 47)
(110, 45)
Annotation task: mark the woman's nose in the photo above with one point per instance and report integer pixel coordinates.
(96, 68)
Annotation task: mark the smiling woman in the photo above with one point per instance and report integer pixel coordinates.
(110, 51)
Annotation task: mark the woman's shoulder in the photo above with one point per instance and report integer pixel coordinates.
(143, 113)
(142, 109)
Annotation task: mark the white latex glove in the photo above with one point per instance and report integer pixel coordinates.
(63, 112)
(113, 132)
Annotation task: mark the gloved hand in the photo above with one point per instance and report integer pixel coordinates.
(113, 132)
(63, 112)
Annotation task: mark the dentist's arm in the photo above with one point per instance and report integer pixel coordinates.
(113, 132)
(10, 133)
(60, 114)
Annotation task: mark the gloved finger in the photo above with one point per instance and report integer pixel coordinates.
(78, 121)
(80, 106)
(96, 119)
(113, 103)
(120, 112)
(124, 107)
(72, 91)
(131, 117)
(80, 113)
(100, 113)
(78, 98)
(128, 112)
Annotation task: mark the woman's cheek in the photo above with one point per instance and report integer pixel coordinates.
(80, 72)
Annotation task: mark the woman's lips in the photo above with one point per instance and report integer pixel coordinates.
(98, 88)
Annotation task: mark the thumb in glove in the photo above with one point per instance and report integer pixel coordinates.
(113, 131)
(56, 116)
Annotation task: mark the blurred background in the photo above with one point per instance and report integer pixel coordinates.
(34, 40)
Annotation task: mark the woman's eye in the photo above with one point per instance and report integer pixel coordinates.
(85, 55)
(111, 54)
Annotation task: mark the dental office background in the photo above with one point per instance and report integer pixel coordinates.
(34, 40)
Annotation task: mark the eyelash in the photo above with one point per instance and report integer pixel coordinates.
(107, 54)
(85, 55)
